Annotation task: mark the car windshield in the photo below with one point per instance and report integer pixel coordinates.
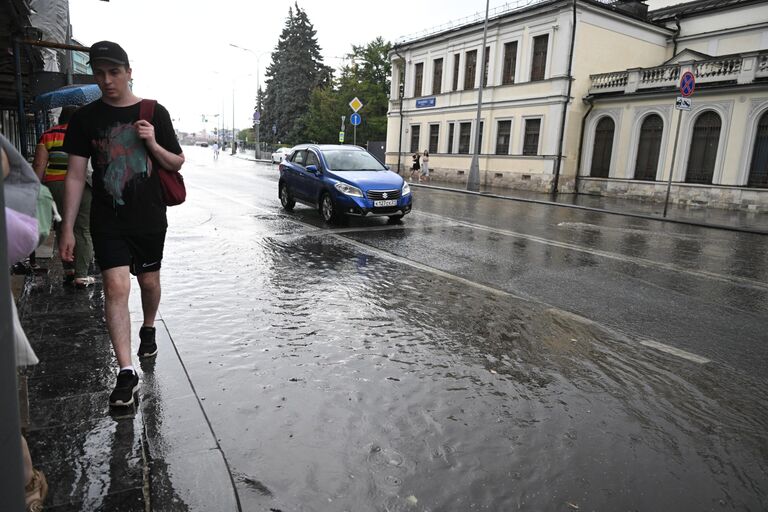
(351, 160)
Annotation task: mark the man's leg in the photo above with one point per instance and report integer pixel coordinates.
(83, 245)
(117, 289)
(149, 282)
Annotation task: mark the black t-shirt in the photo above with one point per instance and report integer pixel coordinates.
(126, 191)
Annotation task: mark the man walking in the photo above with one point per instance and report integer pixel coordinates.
(50, 165)
(128, 221)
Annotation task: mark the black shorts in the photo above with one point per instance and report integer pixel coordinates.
(141, 252)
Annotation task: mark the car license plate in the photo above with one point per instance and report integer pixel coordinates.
(385, 202)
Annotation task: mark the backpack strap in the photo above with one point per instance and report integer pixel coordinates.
(147, 109)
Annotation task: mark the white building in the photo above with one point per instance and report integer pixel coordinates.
(604, 134)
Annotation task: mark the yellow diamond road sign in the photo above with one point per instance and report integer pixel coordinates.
(356, 104)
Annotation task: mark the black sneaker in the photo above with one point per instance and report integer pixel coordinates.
(147, 346)
(127, 385)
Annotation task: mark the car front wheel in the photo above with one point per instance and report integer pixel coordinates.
(328, 209)
(285, 197)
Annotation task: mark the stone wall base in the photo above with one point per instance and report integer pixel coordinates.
(508, 180)
(681, 194)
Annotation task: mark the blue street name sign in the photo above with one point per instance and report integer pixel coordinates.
(425, 102)
(687, 84)
(355, 119)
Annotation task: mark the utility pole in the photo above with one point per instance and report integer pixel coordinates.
(473, 181)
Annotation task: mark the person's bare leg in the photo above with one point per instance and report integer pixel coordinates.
(117, 289)
(27, 458)
(149, 282)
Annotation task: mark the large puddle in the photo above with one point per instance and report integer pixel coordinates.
(337, 379)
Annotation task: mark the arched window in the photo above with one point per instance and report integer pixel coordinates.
(601, 155)
(701, 160)
(648, 148)
(758, 171)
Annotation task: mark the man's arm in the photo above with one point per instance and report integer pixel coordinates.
(74, 184)
(41, 160)
(165, 158)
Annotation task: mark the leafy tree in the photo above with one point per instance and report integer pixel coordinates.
(296, 70)
(366, 76)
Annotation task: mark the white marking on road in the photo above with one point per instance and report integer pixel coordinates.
(610, 255)
(684, 354)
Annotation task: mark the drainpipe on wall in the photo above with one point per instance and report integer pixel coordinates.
(581, 144)
(401, 94)
(565, 104)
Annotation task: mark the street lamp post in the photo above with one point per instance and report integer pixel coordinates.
(233, 118)
(258, 87)
(473, 181)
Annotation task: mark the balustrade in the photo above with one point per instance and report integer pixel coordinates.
(739, 69)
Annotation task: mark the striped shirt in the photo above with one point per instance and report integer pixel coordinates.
(53, 139)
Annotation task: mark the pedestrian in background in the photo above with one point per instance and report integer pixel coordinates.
(50, 165)
(425, 167)
(415, 167)
(128, 218)
(215, 150)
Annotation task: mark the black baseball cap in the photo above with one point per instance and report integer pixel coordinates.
(109, 51)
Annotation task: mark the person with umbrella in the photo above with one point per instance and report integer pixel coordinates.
(50, 165)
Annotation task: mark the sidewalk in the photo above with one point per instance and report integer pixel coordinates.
(158, 455)
(749, 222)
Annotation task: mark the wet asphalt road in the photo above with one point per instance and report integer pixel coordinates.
(482, 355)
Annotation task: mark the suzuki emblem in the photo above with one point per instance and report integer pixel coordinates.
(384, 195)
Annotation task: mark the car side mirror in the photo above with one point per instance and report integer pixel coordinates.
(386, 167)
(312, 168)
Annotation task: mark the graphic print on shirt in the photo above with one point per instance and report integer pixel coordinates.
(125, 157)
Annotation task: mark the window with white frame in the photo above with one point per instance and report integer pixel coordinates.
(503, 136)
(704, 144)
(437, 76)
(539, 57)
(531, 136)
(415, 133)
(603, 148)
(434, 137)
(418, 79)
(465, 134)
(456, 61)
(649, 148)
(510, 63)
(758, 170)
(470, 68)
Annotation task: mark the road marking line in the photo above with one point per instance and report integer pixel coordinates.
(683, 354)
(610, 255)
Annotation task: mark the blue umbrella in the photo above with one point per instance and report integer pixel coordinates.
(68, 95)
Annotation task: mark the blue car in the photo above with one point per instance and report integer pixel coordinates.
(342, 180)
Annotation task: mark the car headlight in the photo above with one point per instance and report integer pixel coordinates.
(348, 189)
(406, 189)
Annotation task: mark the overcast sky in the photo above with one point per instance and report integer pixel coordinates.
(181, 54)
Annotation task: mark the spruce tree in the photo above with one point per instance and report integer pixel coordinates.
(295, 71)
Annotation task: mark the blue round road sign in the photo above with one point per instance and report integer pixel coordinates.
(355, 119)
(687, 84)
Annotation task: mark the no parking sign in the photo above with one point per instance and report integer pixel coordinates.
(687, 84)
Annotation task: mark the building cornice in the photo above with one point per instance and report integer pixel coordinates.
(554, 7)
